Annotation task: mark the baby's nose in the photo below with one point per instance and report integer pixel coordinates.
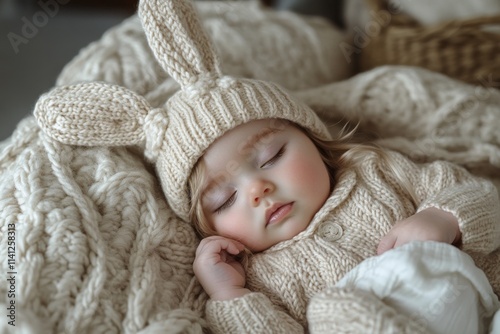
(259, 189)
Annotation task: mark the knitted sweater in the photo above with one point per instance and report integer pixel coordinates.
(364, 205)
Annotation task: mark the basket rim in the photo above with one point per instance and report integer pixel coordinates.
(404, 19)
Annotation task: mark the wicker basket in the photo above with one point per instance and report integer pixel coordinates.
(461, 49)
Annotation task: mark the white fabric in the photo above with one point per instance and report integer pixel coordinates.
(434, 283)
(495, 324)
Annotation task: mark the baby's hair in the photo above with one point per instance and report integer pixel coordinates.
(339, 155)
(196, 214)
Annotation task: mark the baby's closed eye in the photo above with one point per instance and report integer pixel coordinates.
(274, 158)
(227, 203)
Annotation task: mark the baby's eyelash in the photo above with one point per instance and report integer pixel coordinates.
(276, 157)
(226, 204)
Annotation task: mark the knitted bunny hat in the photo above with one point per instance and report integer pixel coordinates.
(177, 134)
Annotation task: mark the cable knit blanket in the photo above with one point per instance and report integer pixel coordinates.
(98, 250)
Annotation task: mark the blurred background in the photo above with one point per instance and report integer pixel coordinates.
(39, 37)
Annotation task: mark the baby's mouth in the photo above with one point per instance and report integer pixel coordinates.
(278, 212)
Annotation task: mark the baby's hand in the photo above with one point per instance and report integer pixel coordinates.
(429, 224)
(215, 266)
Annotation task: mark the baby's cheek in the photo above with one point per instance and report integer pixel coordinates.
(228, 225)
(308, 172)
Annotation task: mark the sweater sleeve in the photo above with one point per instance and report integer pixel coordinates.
(355, 311)
(252, 313)
(472, 200)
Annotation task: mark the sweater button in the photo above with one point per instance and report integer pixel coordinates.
(331, 232)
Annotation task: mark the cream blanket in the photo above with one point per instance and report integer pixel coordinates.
(432, 283)
(98, 250)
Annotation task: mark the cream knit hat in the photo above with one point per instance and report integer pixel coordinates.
(176, 135)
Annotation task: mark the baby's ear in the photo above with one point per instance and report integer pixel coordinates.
(92, 114)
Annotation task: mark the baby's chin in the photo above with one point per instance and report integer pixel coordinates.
(287, 235)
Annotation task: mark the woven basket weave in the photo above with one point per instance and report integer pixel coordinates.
(462, 49)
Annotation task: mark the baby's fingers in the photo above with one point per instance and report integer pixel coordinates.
(217, 244)
(387, 242)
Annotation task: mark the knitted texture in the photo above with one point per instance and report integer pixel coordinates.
(99, 249)
(102, 118)
(208, 104)
(252, 316)
(423, 114)
(352, 311)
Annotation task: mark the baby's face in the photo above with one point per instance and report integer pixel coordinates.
(265, 182)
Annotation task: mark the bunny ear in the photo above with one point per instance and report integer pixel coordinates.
(178, 40)
(92, 114)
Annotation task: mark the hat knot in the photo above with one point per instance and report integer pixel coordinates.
(207, 82)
